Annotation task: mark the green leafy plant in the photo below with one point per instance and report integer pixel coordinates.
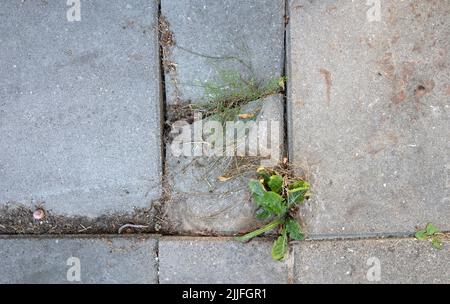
(431, 233)
(277, 196)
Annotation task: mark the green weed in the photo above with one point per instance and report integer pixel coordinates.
(232, 90)
(431, 233)
(277, 196)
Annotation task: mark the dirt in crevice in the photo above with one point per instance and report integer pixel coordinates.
(167, 42)
(18, 219)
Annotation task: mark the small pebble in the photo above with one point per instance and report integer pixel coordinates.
(38, 214)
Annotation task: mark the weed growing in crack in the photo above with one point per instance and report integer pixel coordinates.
(431, 233)
(239, 166)
(232, 90)
(277, 195)
(225, 100)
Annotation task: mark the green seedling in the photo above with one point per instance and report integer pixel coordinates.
(231, 90)
(277, 196)
(431, 233)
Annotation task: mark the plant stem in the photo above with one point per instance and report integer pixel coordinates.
(260, 231)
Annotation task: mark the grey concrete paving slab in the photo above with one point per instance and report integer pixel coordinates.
(369, 113)
(389, 261)
(78, 260)
(80, 106)
(211, 36)
(215, 261)
(198, 201)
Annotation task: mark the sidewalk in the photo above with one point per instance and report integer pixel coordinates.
(168, 260)
(87, 114)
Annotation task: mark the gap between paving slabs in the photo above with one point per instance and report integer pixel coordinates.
(20, 219)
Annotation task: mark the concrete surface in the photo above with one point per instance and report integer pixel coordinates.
(368, 122)
(369, 114)
(198, 202)
(211, 36)
(218, 261)
(80, 106)
(208, 260)
(100, 260)
(400, 261)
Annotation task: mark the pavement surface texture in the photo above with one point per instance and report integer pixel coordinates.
(209, 37)
(198, 200)
(197, 260)
(80, 106)
(96, 185)
(368, 113)
(62, 260)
